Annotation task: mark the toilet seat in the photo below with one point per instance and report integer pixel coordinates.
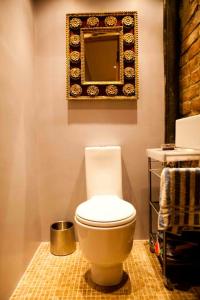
(105, 211)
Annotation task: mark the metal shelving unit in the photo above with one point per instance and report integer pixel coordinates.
(157, 160)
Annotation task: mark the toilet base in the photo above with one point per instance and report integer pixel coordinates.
(106, 275)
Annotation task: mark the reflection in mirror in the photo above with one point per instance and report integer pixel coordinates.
(98, 66)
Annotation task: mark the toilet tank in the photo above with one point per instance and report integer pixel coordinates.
(103, 171)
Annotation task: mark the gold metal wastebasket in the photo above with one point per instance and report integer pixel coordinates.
(62, 238)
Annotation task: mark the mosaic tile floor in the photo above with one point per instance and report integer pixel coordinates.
(50, 277)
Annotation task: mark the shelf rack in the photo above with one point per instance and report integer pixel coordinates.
(157, 160)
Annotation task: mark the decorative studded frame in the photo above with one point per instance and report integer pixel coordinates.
(125, 23)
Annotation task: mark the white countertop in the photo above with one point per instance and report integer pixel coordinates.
(177, 154)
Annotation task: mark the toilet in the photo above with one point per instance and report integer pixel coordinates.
(105, 223)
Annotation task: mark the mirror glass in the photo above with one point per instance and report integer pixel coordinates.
(98, 66)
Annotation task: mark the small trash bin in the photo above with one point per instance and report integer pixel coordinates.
(62, 238)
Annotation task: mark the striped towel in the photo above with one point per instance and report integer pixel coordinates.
(179, 199)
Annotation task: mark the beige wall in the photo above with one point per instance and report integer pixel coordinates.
(64, 129)
(19, 227)
(42, 137)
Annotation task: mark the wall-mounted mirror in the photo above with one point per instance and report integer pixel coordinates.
(102, 56)
(107, 68)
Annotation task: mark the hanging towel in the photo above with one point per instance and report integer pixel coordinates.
(179, 199)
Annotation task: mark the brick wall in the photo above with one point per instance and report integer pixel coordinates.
(189, 75)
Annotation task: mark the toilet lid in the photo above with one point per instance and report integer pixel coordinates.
(105, 211)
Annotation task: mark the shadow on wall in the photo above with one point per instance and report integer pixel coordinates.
(140, 204)
(128, 193)
(20, 229)
(32, 218)
(78, 194)
(101, 111)
(143, 210)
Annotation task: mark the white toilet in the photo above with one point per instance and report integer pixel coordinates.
(105, 223)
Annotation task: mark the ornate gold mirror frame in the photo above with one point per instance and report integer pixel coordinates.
(118, 78)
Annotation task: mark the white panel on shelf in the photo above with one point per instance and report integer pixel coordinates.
(188, 132)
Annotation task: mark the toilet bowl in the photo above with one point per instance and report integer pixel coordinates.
(105, 223)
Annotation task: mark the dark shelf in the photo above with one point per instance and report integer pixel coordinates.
(180, 261)
(184, 259)
(174, 252)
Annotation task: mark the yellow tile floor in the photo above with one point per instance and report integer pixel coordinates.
(50, 277)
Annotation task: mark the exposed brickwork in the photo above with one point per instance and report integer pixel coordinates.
(189, 72)
(195, 106)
